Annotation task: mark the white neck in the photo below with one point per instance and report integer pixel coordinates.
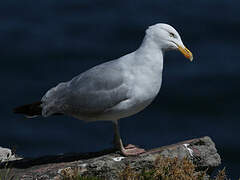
(150, 54)
(149, 47)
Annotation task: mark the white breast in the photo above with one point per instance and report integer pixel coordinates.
(144, 77)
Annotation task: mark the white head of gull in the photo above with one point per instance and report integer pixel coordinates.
(115, 89)
(165, 37)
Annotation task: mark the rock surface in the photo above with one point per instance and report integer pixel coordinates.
(7, 155)
(109, 164)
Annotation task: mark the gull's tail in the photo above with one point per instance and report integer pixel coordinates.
(29, 110)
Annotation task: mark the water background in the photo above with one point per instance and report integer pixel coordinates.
(45, 42)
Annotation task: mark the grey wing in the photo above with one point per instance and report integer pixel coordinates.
(92, 92)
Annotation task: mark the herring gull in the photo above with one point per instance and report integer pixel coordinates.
(115, 89)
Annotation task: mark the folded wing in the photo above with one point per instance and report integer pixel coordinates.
(89, 93)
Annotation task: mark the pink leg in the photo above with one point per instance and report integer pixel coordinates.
(129, 150)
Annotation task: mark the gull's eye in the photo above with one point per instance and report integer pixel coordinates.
(172, 35)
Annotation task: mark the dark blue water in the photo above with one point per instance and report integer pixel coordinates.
(45, 42)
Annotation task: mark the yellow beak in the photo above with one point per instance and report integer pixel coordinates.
(186, 52)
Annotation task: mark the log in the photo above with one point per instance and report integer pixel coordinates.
(108, 163)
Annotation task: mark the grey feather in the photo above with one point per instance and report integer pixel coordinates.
(89, 93)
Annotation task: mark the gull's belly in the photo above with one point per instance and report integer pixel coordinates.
(124, 109)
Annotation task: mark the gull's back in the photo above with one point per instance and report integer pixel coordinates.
(90, 94)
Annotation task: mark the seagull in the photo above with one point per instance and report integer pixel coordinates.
(116, 89)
